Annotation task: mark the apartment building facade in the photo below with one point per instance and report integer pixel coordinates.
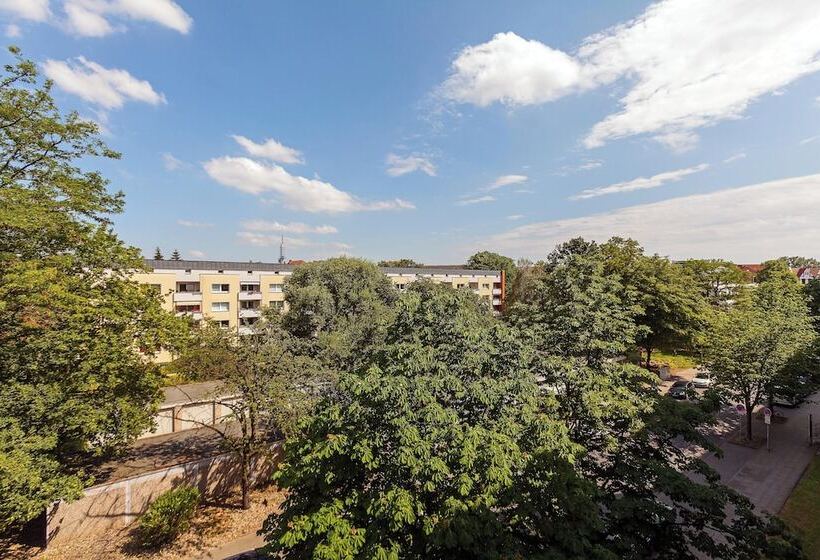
(234, 293)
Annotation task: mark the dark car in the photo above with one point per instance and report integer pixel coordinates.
(681, 389)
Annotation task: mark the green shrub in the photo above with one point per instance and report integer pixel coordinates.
(168, 516)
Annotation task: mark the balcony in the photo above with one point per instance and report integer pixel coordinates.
(187, 297)
(250, 296)
(245, 330)
(496, 291)
(249, 313)
(496, 301)
(195, 315)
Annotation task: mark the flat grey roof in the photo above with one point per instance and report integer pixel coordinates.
(186, 393)
(276, 267)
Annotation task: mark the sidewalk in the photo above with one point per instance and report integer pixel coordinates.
(767, 478)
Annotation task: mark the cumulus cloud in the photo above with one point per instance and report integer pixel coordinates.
(505, 181)
(193, 224)
(402, 165)
(35, 10)
(475, 200)
(290, 227)
(109, 88)
(269, 149)
(295, 192)
(93, 18)
(641, 183)
(511, 70)
(686, 64)
(745, 224)
(264, 240)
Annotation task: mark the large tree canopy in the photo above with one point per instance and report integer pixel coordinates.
(463, 437)
(752, 342)
(72, 383)
(487, 260)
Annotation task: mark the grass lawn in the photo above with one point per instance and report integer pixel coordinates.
(802, 509)
(675, 360)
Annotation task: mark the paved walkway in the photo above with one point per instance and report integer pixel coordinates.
(241, 548)
(767, 478)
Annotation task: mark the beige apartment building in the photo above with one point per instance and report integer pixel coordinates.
(234, 293)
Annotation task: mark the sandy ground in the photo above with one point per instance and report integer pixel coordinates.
(214, 525)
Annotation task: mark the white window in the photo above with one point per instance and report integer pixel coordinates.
(276, 288)
(401, 287)
(220, 288)
(277, 305)
(224, 324)
(220, 306)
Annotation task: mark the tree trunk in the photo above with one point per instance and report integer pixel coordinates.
(748, 422)
(648, 356)
(246, 499)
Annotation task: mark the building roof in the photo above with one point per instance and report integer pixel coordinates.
(276, 267)
(187, 393)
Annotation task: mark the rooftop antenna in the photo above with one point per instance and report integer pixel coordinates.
(282, 251)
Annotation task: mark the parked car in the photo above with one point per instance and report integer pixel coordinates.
(702, 380)
(681, 389)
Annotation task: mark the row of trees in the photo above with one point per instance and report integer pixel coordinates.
(175, 255)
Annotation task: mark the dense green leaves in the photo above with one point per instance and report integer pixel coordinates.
(751, 343)
(72, 382)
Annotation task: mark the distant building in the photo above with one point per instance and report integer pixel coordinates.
(234, 293)
(808, 273)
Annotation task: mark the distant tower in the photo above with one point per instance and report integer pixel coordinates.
(282, 251)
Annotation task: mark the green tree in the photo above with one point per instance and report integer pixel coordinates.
(751, 343)
(486, 260)
(720, 282)
(674, 312)
(175, 256)
(797, 262)
(400, 263)
(342, 305)
(158, 254)
(72, 384)
(417, 456)
(459, 440)
(812, 291)
(266, 388)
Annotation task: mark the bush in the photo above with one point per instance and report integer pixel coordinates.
(168, 516)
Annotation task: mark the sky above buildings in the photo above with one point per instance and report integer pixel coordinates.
(433, 129)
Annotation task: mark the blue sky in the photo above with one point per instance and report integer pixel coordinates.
(434, 129)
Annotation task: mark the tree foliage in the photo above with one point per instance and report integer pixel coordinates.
(342, 305)
(72, 384)
(720, 282)
(465, 437)
(400, 263)
(487, 260)
(751, 343)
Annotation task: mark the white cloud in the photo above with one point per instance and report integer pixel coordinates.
(475, 200)
(13, 31)
(109, 88)
(584, 165)
(263, 240)
(746, 224)
(809, 140)
(401, 165)
(270, 149)
(192, 224)
(172, 163)
(35, 10)
(511, 70)
(197, 254)
(735, 157)
(641, 183)
(296, 193)
(505, 181)
(515, 217)
(687, 64)
(92, 18)
(290, 227)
